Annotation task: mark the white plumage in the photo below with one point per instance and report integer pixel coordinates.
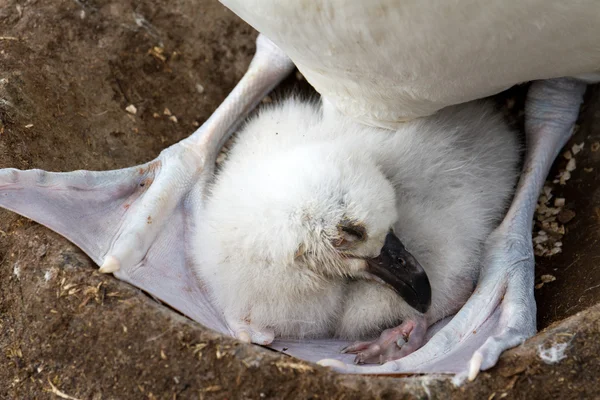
(379, 62)
(386, 61)
(264, 244)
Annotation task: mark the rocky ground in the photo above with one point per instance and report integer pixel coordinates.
(68, 71)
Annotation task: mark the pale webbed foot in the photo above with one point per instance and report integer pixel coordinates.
(182, 170)
(394, 343)
(136, 222)
(507, 283)
(164, 186)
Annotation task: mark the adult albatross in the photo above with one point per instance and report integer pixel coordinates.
(382, 62)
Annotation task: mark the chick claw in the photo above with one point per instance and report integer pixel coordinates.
(393, 343)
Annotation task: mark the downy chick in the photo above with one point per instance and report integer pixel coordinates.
(317, 226)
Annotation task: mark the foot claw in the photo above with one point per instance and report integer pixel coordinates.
(110, 265)
(401, 341)
(355, 347)
(475, 366)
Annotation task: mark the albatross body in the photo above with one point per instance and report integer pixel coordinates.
(387, 61)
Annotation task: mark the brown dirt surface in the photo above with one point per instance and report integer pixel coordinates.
(68, 70)
(577, 269)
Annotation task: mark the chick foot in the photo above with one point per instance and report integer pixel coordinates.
(393, 343)
(250, 333)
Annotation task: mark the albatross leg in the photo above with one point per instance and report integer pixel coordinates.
(552, 109)
(191, 160)
(501, 313)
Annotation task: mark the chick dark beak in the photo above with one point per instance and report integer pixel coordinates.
(399, 269)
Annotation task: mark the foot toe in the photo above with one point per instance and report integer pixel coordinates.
(487, 355)
(355, 347)
(251, 333)
(111, 264)
(393, 343)
(263, 337)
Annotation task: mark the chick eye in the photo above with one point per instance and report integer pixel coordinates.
(350, 233)
(353, 233)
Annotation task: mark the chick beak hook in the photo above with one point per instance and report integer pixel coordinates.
(399, 269)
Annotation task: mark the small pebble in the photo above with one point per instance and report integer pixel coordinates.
(548, 278)
(564, 177)
(540, 239)
(577, 148)
(167, 112)
(131, 109)
(555, 251)
(173, 118)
